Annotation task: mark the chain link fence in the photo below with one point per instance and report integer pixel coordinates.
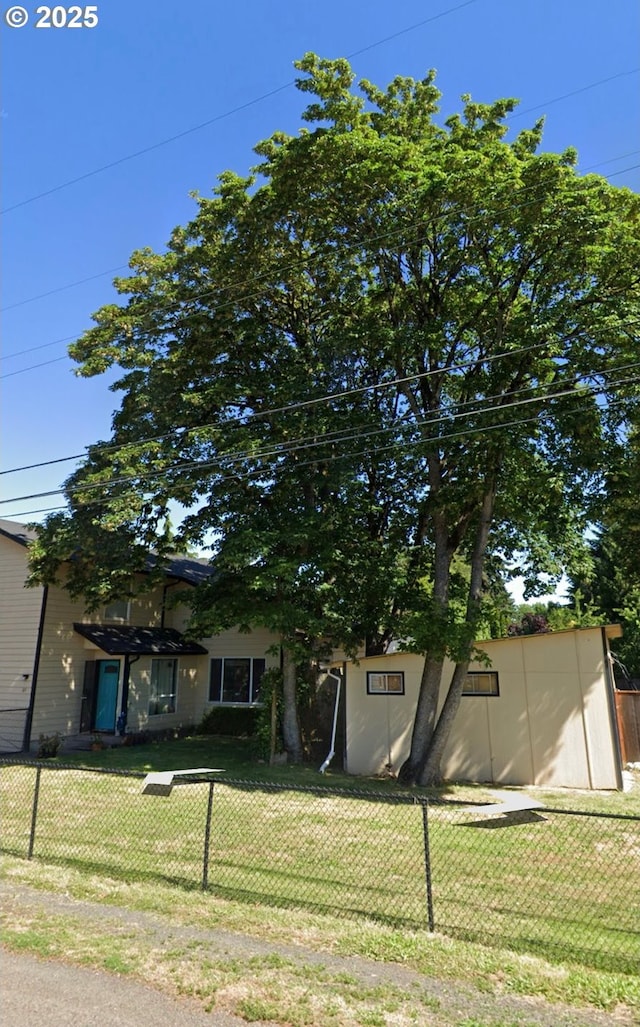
(562, 885)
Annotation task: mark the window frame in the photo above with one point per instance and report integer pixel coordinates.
(252, 687)
(174, 694)
(371, 674)
(110, 619)
(476, 693)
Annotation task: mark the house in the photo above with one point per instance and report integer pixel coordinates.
(541, 713)
(127, 666)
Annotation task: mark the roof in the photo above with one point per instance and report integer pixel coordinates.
(17, 532)
(190, 569)
(126, 640)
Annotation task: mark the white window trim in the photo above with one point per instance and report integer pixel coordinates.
(117, 620)
(371, 674)
(474, 693)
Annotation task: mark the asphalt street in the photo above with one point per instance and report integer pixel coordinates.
(37, 993)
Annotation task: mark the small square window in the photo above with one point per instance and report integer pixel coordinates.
(119, 611)
(379, 683)
(484, 682)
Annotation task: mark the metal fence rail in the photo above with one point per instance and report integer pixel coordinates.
(562, 885)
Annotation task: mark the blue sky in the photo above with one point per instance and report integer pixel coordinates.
(76, 100)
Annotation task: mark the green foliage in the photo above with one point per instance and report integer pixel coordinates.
(270, 684)
(49, 745)
(463, 298)
(234, 721)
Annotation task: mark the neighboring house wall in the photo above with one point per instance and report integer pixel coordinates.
(64, 654)
(552, 722)
(19, 619)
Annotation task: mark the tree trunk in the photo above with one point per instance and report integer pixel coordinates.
(411, 770)
(431, 772)
(291, 735)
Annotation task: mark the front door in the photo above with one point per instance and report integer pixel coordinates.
(107, 678)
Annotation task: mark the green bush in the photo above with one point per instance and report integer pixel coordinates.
(235, 721)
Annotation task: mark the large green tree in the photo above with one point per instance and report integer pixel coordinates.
(397, 345)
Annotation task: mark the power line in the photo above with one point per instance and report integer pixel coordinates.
(574, 92)
(286, 449)
(32, 349)
(302, 263)
(34, 367)
(298, 405)
(63, 288)
(225, 114)
(452, 436)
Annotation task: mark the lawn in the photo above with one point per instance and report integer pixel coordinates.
(544, 908)
(562, 886)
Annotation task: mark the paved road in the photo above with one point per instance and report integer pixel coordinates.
(37, 993)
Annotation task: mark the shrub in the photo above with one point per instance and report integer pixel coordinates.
(236, 721)
(49, 745)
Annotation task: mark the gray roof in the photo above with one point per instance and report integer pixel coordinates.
(189, 569)
(17, 532)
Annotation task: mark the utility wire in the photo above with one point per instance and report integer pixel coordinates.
(63, 288)
(242, 420)
(225, 114)
(302, 263)
(287, 449)
(369, 451)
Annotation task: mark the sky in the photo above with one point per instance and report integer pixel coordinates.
(107, 130)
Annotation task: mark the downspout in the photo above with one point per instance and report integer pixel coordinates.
(122, 719)
(26, 741)
(332, 752)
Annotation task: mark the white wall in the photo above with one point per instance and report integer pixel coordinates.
(551, 724)
(19, 619)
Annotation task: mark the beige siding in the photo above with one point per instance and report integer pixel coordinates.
(65, 652)
(19, 619)
(550, 725)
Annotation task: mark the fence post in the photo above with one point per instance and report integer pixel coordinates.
(427, 863)
(34, 812)
(207, 840)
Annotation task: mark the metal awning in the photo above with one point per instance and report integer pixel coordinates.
(127, 640)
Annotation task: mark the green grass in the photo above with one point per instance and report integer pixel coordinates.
(562, 888)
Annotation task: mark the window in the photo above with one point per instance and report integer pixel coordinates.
(163, 693)
(481, 682)
(235, 679)
(118, 610)
(385, 684)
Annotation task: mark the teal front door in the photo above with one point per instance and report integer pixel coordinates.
(107, 678)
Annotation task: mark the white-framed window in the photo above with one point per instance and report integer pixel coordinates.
(481, 682)
(385, 683)
(163, 693)
(118, 611)
(235, 679)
